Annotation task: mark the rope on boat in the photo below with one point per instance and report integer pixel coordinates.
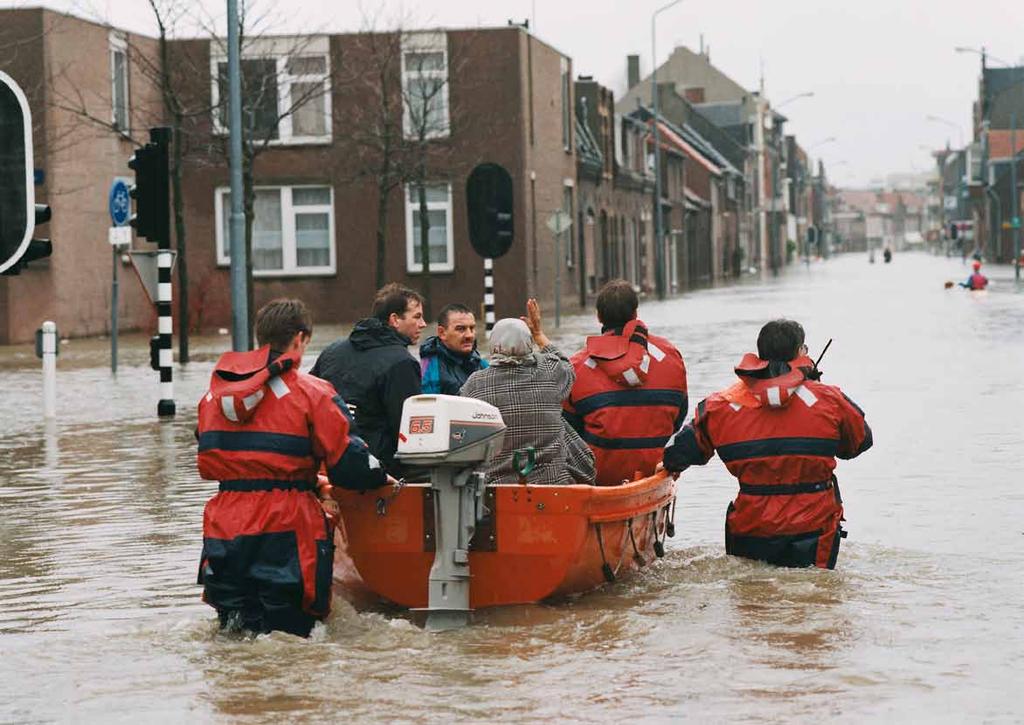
(382, 503)
(659, 544)
(670, 525)
(637, 556)
(609, 575)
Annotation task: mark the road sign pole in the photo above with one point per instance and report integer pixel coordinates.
(113, 311)
(558, 279)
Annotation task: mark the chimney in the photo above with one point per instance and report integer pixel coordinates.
(694, 95)
(632, 70)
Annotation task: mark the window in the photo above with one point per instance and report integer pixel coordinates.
(567, 106)
(293, 230)
(119, 82)
(286, 94)
(425, 85)
(439, 228)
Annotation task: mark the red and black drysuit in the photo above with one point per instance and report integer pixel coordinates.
(779, 432)
(264, 430)
(628, 398)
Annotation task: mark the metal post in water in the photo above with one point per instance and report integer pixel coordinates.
(1015, 197)
(113, 313)
(240, 329)
(49, 355)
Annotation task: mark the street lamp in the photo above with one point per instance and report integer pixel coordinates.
(659, 245)
(947, 122)
(830, 139)
(773, 228)
(797, 97)
(982, 52)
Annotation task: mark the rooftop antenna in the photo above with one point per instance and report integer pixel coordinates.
(702, 43)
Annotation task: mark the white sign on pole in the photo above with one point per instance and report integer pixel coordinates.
(559, 222)
(144, 262)
(120, 236)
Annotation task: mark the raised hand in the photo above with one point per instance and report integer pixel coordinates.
(533, 321)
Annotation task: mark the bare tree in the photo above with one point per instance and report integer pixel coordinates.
(264, 108)
(399, 133)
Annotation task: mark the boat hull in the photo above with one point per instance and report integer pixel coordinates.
(536, 541)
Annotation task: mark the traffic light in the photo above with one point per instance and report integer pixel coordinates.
(151, 190)
(489, 203)
(19, 214)
(954, 231)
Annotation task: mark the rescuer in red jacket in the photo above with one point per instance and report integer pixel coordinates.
(630, 390)
(264, 430)
(779, 431)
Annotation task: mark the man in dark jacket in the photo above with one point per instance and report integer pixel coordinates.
(373, 370)
(448, 358)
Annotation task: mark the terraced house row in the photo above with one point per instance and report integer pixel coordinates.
(351, 136)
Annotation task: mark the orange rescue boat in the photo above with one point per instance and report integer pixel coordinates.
(535, 542)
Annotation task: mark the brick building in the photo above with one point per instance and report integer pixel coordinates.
(501, 96)
(615, 191)
(87, 103)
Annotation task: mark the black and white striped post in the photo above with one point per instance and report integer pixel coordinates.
(152, 220)
(488, 296)
(165, 328)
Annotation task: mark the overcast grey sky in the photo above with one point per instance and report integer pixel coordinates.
(877, 67)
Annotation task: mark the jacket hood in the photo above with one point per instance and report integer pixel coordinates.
(434, 347)
(371, 332)
(622, 356)
(240, 380)
(770, 383)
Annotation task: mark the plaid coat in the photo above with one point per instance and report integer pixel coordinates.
(530, 397)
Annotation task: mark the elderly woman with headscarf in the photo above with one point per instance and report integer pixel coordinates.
(528, 388)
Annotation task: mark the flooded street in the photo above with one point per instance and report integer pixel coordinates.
(922, 620)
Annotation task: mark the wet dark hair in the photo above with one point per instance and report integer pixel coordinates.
(278, 321)
(780, 340)
(456, 307)
(393, 299)
(616, 303)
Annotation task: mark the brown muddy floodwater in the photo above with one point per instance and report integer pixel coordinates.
(923, 621)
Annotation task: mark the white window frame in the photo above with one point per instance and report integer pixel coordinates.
(280, 50)
(425, 42)
(118, 43)
(289, 248)
(412, 239)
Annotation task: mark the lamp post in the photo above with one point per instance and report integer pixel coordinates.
(241, 325)
(947, 122)
(659, 243)
(773, 229)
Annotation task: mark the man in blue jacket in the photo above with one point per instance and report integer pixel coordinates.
(448, 358)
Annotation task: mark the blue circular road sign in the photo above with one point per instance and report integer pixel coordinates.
(120, 203)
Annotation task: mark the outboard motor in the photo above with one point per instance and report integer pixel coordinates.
(453, 437)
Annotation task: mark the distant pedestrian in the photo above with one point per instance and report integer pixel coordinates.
(977, 281)
(265, 430)
(373, 370)
(448, 358)
(779, 431)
